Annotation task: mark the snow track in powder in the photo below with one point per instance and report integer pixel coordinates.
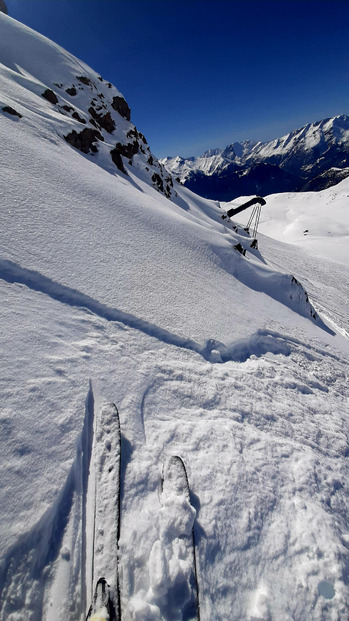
(172, 563)
(57, 569)
(42, 575)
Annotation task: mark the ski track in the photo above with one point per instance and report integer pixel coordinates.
(255, 431)
(169, 398)
(166, 401)
(27, 571)
(324, 280)
(214, 351)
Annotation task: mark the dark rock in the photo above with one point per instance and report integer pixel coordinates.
(3, 7)
(12, 111)
(134, 133)
(77, 117)
(50, 96)
(117, 159)
(67, 108)
(240, 249)
(150, 160)
(127, 150)
(104, 120)
(71, 91)
(326, 180)
(158, 181)
(85, 140)
(120, 105)
(84, 80)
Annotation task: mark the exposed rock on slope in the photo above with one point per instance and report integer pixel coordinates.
(326, 180)
(3, 7)
(67, 90)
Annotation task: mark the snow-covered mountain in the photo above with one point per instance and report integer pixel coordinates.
(303, 159)
(118, 287)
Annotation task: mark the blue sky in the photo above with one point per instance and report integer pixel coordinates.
(200, 74)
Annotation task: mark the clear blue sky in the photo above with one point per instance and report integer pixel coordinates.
(203, 73)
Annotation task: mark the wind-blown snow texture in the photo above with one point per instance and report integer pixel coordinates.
(112, 291)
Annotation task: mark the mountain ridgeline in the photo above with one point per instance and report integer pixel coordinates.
(312, 158)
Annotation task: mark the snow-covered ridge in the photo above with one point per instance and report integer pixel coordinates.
(289, 163)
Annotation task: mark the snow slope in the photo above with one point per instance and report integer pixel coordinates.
(113, 293)
(315, 221)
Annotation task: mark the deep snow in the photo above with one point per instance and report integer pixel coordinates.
(113, 293)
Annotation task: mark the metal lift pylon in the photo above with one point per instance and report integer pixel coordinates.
(257, 202)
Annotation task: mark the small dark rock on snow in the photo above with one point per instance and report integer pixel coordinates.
(71, 91)
(50, 96)
(84, 80)
(12, 111)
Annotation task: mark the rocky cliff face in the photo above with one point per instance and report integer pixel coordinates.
(81, 107)
(103, 115)
(291, 163)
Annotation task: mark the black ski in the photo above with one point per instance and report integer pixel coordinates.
(102, 607)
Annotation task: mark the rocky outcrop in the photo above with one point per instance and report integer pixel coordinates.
(3, 7)
(164, 185)
(119, 104)
(103, 120)
(84, 80)
(326, 180)
(84, 141)
(50, 96)
(101, 117)
(71, 91)
(117, 159)
(79, 118)
(127, 150)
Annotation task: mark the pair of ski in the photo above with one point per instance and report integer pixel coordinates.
(106, 599)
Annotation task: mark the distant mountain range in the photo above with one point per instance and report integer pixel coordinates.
(313, 158)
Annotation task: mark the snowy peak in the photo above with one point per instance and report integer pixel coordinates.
(290, 162)
(84, 109)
